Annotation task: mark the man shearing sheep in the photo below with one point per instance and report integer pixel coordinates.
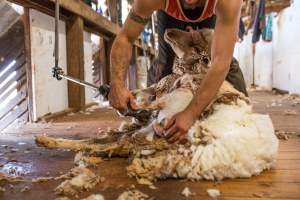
(222, 15)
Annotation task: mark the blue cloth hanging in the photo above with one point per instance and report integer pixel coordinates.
(267, 34)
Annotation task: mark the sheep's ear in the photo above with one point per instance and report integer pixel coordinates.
(207, 35)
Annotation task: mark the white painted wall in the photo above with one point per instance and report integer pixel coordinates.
(263, 63)
(243, 52)
(51, 95)
(286, 51)
(276, 63)
(88, 66)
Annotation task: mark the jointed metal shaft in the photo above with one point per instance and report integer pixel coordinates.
(56, 48)
(80, 82)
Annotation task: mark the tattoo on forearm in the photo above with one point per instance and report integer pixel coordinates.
(135, 17)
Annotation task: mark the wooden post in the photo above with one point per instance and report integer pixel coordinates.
(107, 44)
(132, 71)
(26, 21)
(75, 62)
(105, 48)
(113, 10)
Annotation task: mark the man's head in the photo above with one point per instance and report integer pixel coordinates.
(192, 4)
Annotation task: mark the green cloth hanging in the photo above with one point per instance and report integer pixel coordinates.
(267, 34)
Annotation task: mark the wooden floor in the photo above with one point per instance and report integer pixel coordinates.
(31, 161)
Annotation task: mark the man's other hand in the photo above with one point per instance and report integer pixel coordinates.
(176, 128)
(121, 99)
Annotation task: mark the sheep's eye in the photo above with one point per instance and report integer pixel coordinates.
(205, 61)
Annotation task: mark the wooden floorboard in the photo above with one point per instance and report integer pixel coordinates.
(282, 182)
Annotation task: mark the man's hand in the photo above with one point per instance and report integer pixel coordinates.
(176, 128)
(121, 99)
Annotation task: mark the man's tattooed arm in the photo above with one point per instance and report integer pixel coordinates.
(138, 19)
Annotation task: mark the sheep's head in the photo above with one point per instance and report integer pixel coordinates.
(191, 47)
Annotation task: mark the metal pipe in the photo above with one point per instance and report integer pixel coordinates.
(80, 82)
(56, 48)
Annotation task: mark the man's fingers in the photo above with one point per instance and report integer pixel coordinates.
(175, 137)
(132, 103)
(158, 129)
(122, 107)
(168, 123)
(182, 139)
(171, 131)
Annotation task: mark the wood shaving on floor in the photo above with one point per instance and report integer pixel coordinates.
(82, 179)
(282, 135)
(42, 179)
(94, 197)
(133, 195)
(86, 161)
(2, 189)
(213, 193)
(143, 181)
(25, 189)
(62, 198)
(290, 112)
(262, 194)
(4, 178)
(187, 192)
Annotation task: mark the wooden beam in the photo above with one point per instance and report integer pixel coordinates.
(92, 18)
(93, 22)
(29, 72)
(44, 6)
(132, 71)
(75, 62)
(104, 57)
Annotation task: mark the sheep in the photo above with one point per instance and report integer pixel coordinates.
(227, 141)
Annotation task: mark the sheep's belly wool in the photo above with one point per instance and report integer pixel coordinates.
(233, 142)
